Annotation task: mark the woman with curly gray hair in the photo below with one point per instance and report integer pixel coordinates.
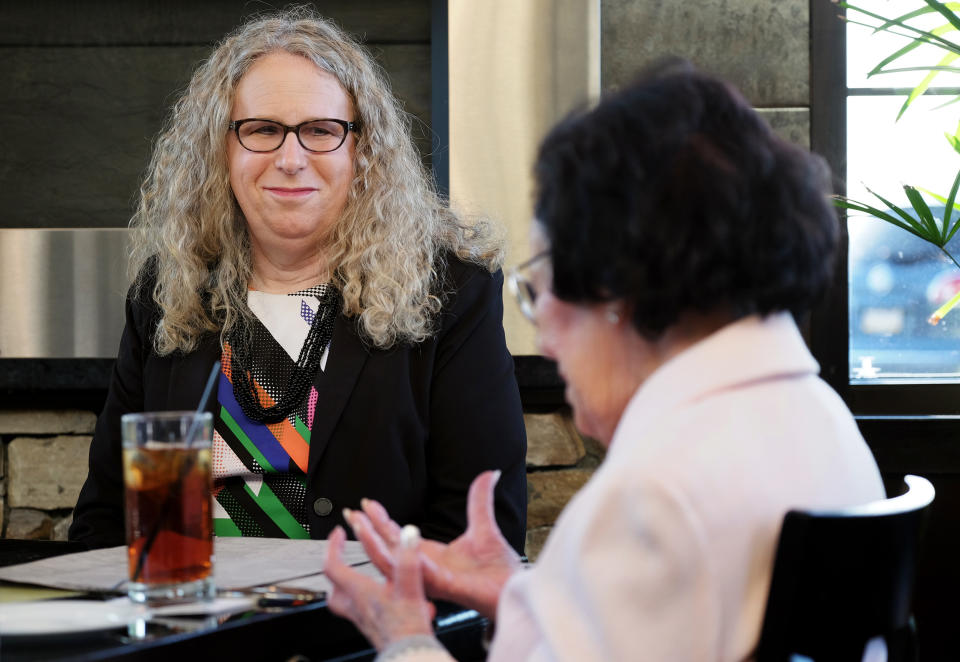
(287, 227)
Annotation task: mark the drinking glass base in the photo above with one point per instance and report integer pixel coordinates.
(156, 595)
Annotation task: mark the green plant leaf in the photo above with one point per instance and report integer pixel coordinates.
(846, 203)
(947, 14)
(954, 138)
(939, 198)
(949, 205)
(927, 36)
(947, 103)
(919, 228)
(921, 36)
(953, 231)
(954, 142)
(915, 43)
(931, 67)
(924, 84)
(941, 312)
(949, 255)
(915, 13)
(923, 211)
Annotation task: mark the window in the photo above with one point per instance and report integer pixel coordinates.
(894, 360)
(911, 424)
(895, 279)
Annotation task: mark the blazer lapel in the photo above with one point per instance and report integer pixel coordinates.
(189, 373)
(335, 384)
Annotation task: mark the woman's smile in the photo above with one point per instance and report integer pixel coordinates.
(290, 192)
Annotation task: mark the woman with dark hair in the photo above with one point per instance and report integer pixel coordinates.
(676, 238)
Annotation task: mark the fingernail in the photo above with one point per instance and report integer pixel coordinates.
(496, 476)
(364, 503)
(409, 536)
(347, 516)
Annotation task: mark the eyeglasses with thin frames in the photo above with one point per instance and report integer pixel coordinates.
(522, 288)
(319, 136)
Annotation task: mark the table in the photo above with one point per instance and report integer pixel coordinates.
(301, 633)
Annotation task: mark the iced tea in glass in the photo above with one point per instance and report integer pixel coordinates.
(168, 506)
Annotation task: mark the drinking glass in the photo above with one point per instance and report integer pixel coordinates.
(167, 481)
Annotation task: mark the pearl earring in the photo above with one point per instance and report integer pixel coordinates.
(613, 316)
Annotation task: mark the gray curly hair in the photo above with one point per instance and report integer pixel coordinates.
(384, 253)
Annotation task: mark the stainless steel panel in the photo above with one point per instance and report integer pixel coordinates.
(62, 292)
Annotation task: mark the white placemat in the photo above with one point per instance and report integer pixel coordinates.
(238, 563)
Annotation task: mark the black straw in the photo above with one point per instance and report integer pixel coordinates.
(184, 470)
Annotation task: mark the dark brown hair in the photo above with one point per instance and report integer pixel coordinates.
(674, 195)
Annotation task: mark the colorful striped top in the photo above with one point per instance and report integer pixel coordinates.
(260, 469)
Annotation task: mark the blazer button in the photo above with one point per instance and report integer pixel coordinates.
(323, 506)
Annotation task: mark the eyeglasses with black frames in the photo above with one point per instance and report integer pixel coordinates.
(520, 285)
(323, 135)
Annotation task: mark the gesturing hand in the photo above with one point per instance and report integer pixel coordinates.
(470, 570)
(383, 612)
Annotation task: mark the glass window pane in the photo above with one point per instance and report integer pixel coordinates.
(866, 49)
(897, 280)
(884, 154)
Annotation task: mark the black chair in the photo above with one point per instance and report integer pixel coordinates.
(844, 577)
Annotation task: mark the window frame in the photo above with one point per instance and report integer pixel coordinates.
(828, 328)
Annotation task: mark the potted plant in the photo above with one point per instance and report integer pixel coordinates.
(918, 219)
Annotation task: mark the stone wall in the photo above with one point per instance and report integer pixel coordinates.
(43, 463)
(559, 462)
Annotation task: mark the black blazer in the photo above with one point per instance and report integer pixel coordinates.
(410, 426)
